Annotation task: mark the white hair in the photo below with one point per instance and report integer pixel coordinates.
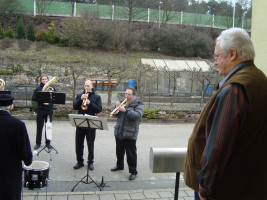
(237, 39)
(6, 108)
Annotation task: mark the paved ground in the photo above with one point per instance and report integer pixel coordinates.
(147, 185)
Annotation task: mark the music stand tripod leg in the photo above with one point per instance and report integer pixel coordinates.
(52, 148)
(87, 182)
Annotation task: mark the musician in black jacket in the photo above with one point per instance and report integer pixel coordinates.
(93, 104)
(43, 111)
(14, 148)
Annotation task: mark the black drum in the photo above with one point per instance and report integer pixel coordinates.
(36, 175)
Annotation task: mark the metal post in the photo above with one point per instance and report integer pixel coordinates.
(74, 11)
(176, 192)
(234, 14)
(112, 15)
(148, 15)
(148, 98)
(159, 12)
(34, 8)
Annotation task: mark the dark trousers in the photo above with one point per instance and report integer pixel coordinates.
(79, 142)
(41, 118)
(128, 146)
(196, 196)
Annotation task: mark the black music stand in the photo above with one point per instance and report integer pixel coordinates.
(88, 121)
(46, 98)
(5, 92)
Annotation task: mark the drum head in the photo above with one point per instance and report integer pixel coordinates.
(37, 165)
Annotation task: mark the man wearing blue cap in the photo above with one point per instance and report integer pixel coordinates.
(14, 148)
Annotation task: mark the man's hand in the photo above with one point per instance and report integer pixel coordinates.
(201, 198)
(118, 103)
(122, 108)
(84, 96)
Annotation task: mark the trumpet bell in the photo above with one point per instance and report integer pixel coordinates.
(2, 84)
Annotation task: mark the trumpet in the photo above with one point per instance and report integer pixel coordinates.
(84, 106)
(116, 111)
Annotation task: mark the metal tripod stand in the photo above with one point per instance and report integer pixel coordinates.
(87, 177)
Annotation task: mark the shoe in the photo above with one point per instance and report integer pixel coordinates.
(78, 165)
(48, 146)
(37, 146)
(91, 166)
(114, 169)
(132, 177)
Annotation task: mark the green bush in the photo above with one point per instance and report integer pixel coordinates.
(63, 42)
(150, 40)
(182, 42)
(9, 33)
(30, 33)
(34, 105)
(20, 34)
(5, 72)
(181, 114)
(102, 39)
(150, 114)
(41, 35)
(51, 36)
(1, 32)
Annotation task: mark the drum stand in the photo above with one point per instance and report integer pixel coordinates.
(36, 196)
(87, 176)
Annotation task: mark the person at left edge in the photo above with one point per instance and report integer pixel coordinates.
(94, 106)
(14, 148)
(43, 111)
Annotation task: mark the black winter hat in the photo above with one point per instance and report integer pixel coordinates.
(6, 99)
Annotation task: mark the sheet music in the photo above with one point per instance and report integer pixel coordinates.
(88, 121)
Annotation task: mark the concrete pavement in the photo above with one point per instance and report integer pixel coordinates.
(147, 185)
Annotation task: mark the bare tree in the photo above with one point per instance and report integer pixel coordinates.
(34, 66)
(168, 10)
(174, 75)
(203, 79)
(112, 69)
(133, 9)
(140, 73)
(43, 6)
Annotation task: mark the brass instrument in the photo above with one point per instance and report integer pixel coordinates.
(47, 85)
(2, 84)
(84, 105)
(116, 111)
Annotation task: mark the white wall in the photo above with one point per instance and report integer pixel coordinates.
(259, 33)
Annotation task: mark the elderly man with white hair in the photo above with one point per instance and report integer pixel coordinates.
(227, 156)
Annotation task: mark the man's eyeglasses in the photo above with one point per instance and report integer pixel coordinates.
(216, 56)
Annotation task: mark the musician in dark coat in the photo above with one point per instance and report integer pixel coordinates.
(93, 105)
(126, 131)
(43, 111)
(14, 148)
